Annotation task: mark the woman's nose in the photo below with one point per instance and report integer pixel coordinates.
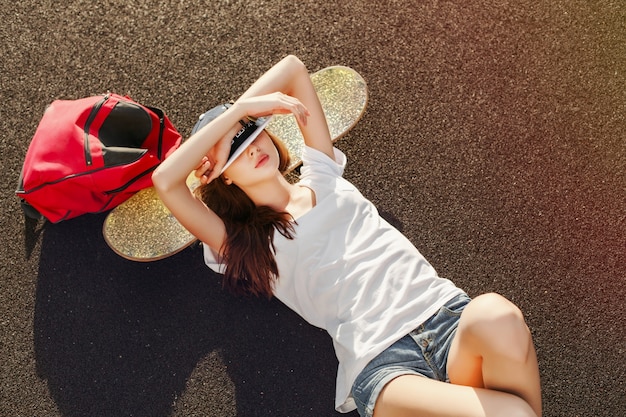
(253, 148)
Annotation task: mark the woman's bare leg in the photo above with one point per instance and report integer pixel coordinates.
(492, 368)
(417, 396)
(493, 349)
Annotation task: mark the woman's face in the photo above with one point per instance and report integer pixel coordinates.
(259, 161)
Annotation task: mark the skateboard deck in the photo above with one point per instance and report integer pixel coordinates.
(143, 229)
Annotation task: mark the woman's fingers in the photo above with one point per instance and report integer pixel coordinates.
(295, 106)
(203, 170)
(215, 172)
(302, 115)
(204, 165)
(204, 160)
(276, 103)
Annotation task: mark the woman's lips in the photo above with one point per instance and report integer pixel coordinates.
(262, 160)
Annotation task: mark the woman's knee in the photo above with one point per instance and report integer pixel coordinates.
(495, 323)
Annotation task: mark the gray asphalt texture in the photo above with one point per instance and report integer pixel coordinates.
(495, 139)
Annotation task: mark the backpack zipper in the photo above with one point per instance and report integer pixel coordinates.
(131, 181)
(92, 115)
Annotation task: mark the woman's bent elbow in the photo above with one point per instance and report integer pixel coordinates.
(160, 181)
(295, 63)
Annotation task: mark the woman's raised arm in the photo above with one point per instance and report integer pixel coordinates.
(170, 179)
(290, 77)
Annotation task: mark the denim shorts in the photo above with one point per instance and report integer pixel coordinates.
(424, 352)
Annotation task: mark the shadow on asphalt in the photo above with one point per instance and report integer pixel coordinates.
(114, 337)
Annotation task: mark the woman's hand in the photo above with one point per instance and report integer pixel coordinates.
(211, 165)
(274, 103)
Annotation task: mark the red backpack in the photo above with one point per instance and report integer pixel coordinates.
(91, 154)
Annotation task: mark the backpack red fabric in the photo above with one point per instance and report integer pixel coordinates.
(91, 154)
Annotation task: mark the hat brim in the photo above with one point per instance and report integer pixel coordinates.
(251, 133)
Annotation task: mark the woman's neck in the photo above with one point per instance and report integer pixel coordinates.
(282, 196)
(276, 193)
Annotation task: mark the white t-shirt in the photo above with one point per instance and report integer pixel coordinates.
(351, 273)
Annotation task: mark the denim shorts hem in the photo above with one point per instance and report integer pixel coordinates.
(380, 385)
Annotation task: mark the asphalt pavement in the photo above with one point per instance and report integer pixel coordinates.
(494, 138)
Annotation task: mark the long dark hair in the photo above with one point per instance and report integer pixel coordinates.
(248, 250)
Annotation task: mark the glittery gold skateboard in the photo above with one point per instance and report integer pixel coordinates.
(143, 229)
